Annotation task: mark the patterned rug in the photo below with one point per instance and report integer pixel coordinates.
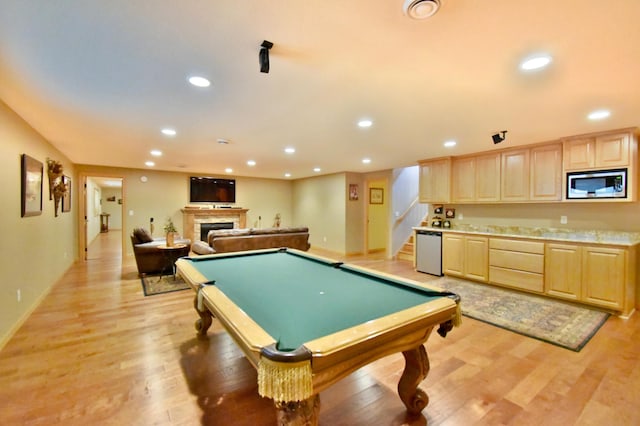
(152, 284)
(562, 324)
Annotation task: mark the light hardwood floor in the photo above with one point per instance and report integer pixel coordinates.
(97, 351)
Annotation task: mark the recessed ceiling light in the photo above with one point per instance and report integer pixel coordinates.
(599, 114)
(199, 81)
(316, 169)
(228, 170)
(420, 9)
(364, 123)
(223, 141)
(156, 152)
(167, 131)
(251, 163)
(289, 150)
(366, 160)
(149, 163)
(450, 144)
(287, 175)
(535, 62)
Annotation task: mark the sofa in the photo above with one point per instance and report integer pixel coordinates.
(149, 258)
(227, 240)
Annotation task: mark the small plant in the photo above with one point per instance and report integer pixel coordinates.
(169, 226)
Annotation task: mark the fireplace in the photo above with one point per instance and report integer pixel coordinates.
(193, 217)
(206, 227)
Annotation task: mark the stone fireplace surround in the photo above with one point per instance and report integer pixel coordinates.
(192, 218)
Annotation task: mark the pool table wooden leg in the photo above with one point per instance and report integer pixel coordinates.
(205, 320)
(415, 370)
(300, 413)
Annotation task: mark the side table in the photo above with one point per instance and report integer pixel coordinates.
(171, 255)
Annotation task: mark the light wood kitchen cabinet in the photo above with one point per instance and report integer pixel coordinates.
(546, 173)
(465, 256)
(603, 271)
(488, 177)
(463, 172)
(563, 271)
(514, 177)
(598, 152)
(435, 180)
(596, 275)
(517, 264)
(476, 179)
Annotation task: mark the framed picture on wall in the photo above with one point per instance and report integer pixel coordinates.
(66, 200)
(353, 192)
(31, 193)
(376, 196)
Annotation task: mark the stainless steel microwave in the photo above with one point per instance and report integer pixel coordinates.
(597, 184)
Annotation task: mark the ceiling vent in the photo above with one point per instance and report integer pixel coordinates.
(421, 9)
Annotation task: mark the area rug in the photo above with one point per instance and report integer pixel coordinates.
(153, 284)
(562, 324)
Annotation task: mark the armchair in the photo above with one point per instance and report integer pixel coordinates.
(149, 258)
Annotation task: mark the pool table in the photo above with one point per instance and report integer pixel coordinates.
(306, 321)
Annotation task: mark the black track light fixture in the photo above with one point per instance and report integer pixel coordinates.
(263, 56)
(499, 137)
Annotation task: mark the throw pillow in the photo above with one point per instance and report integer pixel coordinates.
(142, 235)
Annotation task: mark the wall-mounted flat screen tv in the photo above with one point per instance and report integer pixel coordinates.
(211, 190)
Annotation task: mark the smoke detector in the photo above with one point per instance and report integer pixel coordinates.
(421, 9)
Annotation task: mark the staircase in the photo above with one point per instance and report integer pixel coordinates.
(408, 249)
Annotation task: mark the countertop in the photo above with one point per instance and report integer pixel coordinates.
(618, 238)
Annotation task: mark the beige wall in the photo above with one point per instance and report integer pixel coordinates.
(355, 215)
(36, 250)
(320, 204)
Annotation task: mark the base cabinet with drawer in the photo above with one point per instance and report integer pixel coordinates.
(600, 276)
(518, 264)
(465, 256)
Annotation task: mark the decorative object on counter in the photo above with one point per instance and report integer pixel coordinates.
(276, 221)
(559, 323)
(450, 213)
(353, 192)
(436, 222)
(66, 198)
(437, 209)
(376, 196)
(170, 230)
(446, 224)
(31, 192)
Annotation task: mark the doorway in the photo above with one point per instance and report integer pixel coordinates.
(103, 217)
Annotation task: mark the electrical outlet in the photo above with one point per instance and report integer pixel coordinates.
(563, 220)
(460, 216)
(324, 239)
(19, 295)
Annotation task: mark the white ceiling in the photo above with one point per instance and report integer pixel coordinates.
(99, 79)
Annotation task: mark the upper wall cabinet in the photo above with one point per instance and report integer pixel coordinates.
(435, 181)
(597, 152)
(546, 173)
(515, 175)
(476, 179)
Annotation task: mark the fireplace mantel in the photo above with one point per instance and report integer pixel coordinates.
(193, 217)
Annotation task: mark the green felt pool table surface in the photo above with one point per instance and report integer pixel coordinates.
(297, 297)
